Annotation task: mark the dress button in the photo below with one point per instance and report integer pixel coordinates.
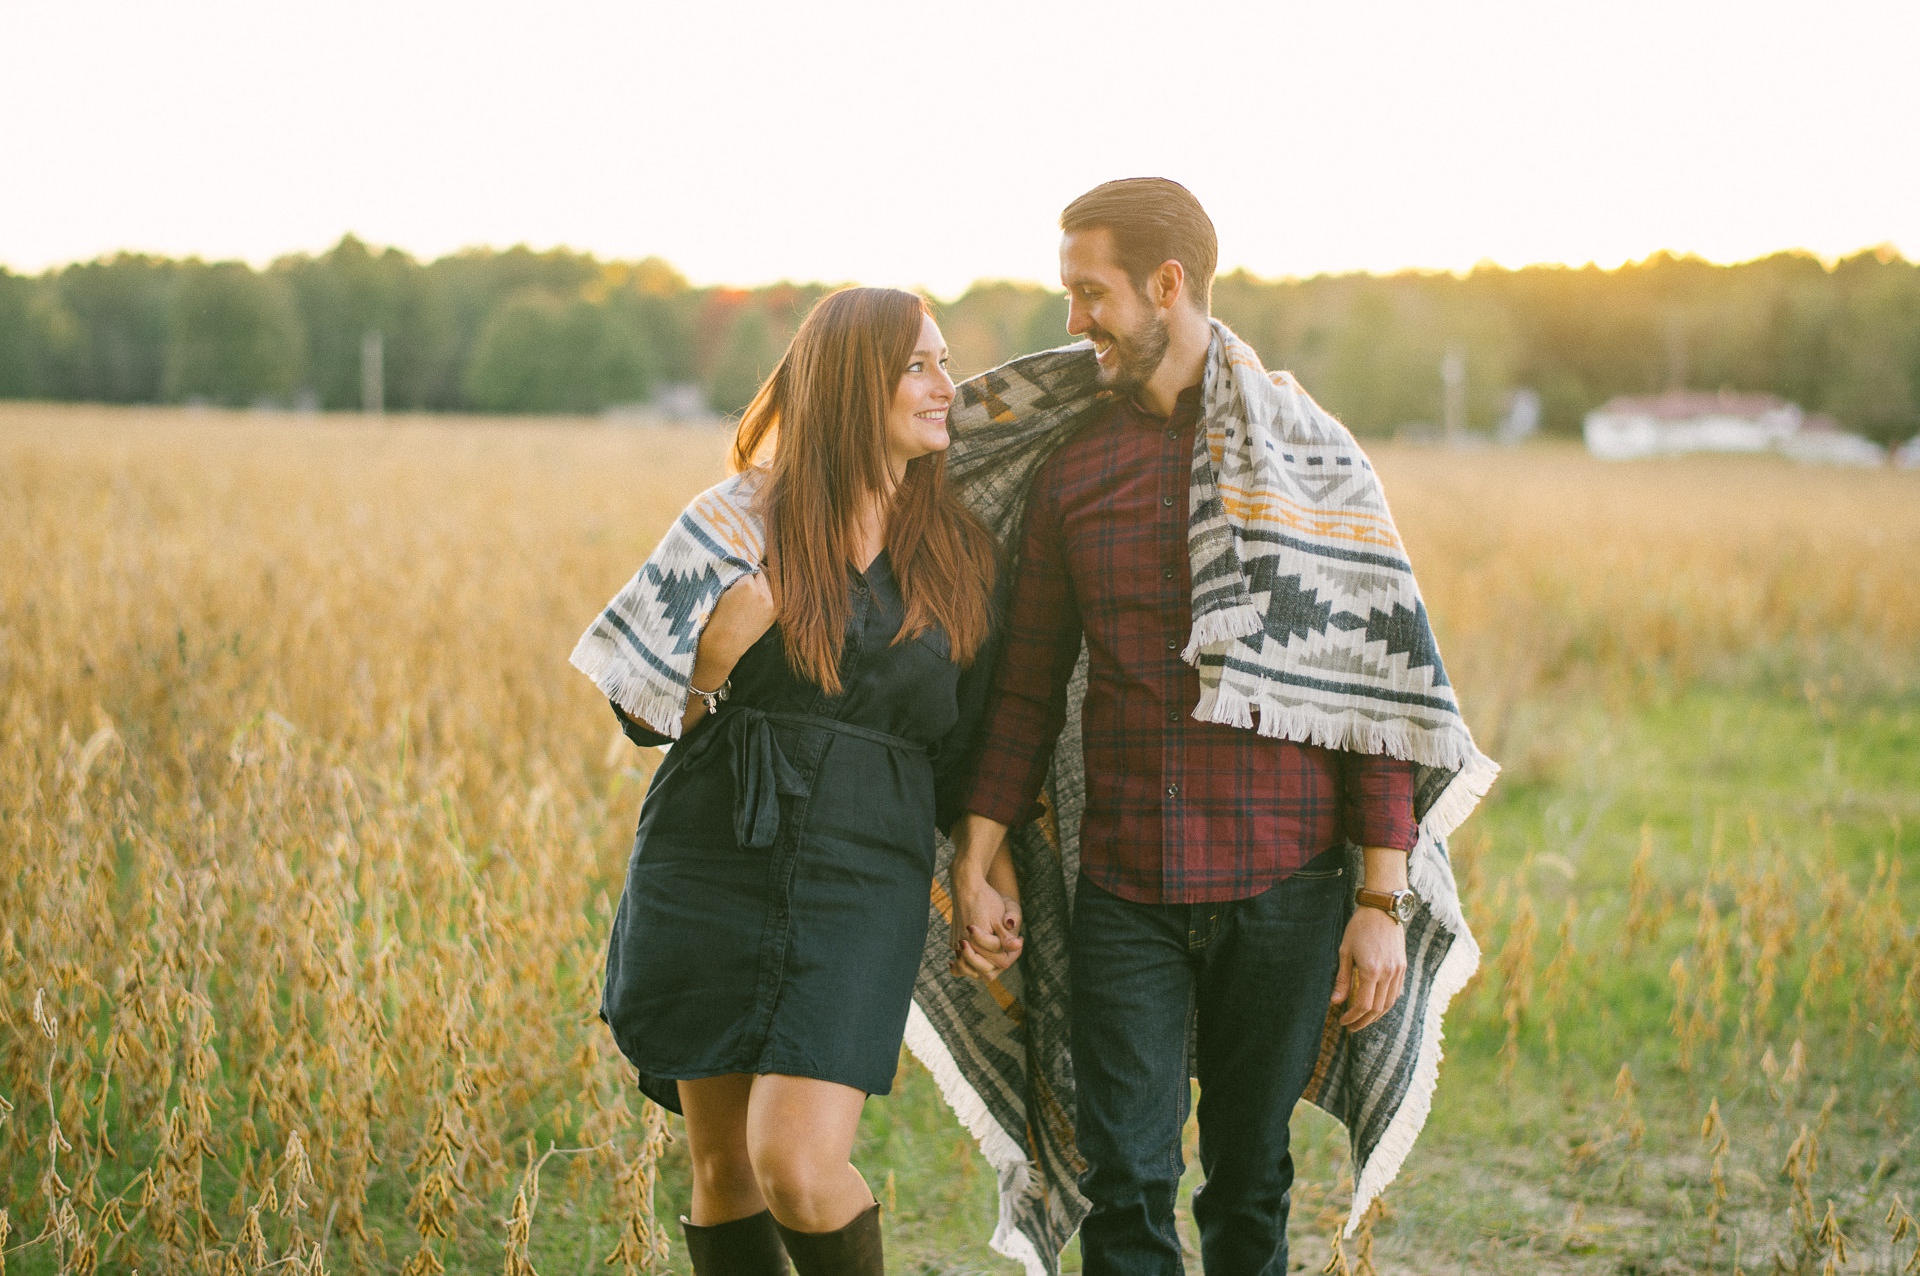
(1166, 500)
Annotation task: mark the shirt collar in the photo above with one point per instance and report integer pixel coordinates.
(1186, 411)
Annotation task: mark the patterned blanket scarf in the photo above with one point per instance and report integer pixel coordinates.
(1307, 625)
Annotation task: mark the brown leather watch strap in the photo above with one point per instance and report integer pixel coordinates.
(1382, 900)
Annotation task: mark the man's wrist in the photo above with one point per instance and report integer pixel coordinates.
(1384, 868)
(976, 843)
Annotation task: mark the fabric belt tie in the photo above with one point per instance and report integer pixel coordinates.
(762, 775)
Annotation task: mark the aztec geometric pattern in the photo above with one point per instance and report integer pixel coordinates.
(1307, 625)
(639, 650)
(1305, 614)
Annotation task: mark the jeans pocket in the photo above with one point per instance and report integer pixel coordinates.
(1328, 865)
(1314, 873)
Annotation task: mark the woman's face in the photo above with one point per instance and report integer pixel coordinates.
(917, 421)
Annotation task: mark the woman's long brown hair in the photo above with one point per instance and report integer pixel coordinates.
(818, 428)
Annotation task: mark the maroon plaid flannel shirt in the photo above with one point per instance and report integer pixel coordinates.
(1178, 811)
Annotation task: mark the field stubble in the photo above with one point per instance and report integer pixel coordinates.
(308, 840)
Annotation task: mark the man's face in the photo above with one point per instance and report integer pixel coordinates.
(1129, 332)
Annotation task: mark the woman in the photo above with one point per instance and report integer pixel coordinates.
(764, 952)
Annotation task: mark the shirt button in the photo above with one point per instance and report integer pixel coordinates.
(1173, 434)
(1173, 644)
(1173, 790)
(1167, 574)
(1173, 715)
(1166, 500)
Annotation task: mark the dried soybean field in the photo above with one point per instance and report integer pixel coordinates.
(309, 838)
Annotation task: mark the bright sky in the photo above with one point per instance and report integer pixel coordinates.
(916, 143)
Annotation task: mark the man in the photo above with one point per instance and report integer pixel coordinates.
(1214, 886)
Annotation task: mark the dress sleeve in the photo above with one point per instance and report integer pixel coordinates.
(953, 760)
(637, 731)
(1027, 705)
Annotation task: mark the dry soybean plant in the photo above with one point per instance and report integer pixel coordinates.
(307, 841)
(308, 836)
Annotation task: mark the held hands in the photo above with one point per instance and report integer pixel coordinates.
(986, 902)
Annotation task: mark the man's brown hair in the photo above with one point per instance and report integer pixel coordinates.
(1153, 220)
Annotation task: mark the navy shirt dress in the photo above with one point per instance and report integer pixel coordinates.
(776, 901)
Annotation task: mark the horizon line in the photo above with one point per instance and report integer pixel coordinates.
(1886, 251)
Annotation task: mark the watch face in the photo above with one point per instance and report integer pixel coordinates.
(1403, 905)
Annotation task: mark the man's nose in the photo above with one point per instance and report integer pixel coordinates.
(1077, 321)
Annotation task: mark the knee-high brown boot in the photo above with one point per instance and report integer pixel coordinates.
(747, 1246)
(854, 1250)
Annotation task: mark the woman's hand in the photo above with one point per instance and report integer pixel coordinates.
(986, 900)
(745, 612)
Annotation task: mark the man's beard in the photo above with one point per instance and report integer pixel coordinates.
(1137, 354)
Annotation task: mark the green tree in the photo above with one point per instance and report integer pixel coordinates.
(236, 336)
(123, 310)
(543, 353)
(351, 290)
(744, 360)
(17, 344)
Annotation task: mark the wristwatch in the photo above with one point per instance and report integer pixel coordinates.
(1395, 904)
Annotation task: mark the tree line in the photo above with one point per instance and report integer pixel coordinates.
(523, 331)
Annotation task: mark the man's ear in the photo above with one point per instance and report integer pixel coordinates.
(1167, 284)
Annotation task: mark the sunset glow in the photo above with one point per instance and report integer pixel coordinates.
(935, 144)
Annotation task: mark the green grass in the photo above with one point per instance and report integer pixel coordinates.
(1531, 1170)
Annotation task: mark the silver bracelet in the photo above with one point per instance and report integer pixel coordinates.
(714, 697)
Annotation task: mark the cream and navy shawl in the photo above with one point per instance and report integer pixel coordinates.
(1307, 625)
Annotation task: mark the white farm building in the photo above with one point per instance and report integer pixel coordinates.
(1695, 421)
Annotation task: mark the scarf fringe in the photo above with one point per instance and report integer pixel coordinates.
(1450, 810)
(1462, 960)
(1431, 877)
(1309, 724)
(623, 681)
(1007, 1158)
(1242, 620)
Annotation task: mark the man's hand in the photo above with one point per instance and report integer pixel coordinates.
(986, 900)
(1373, 967)
(1373, 953)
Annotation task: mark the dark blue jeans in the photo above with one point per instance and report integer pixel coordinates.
(1256, 974)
